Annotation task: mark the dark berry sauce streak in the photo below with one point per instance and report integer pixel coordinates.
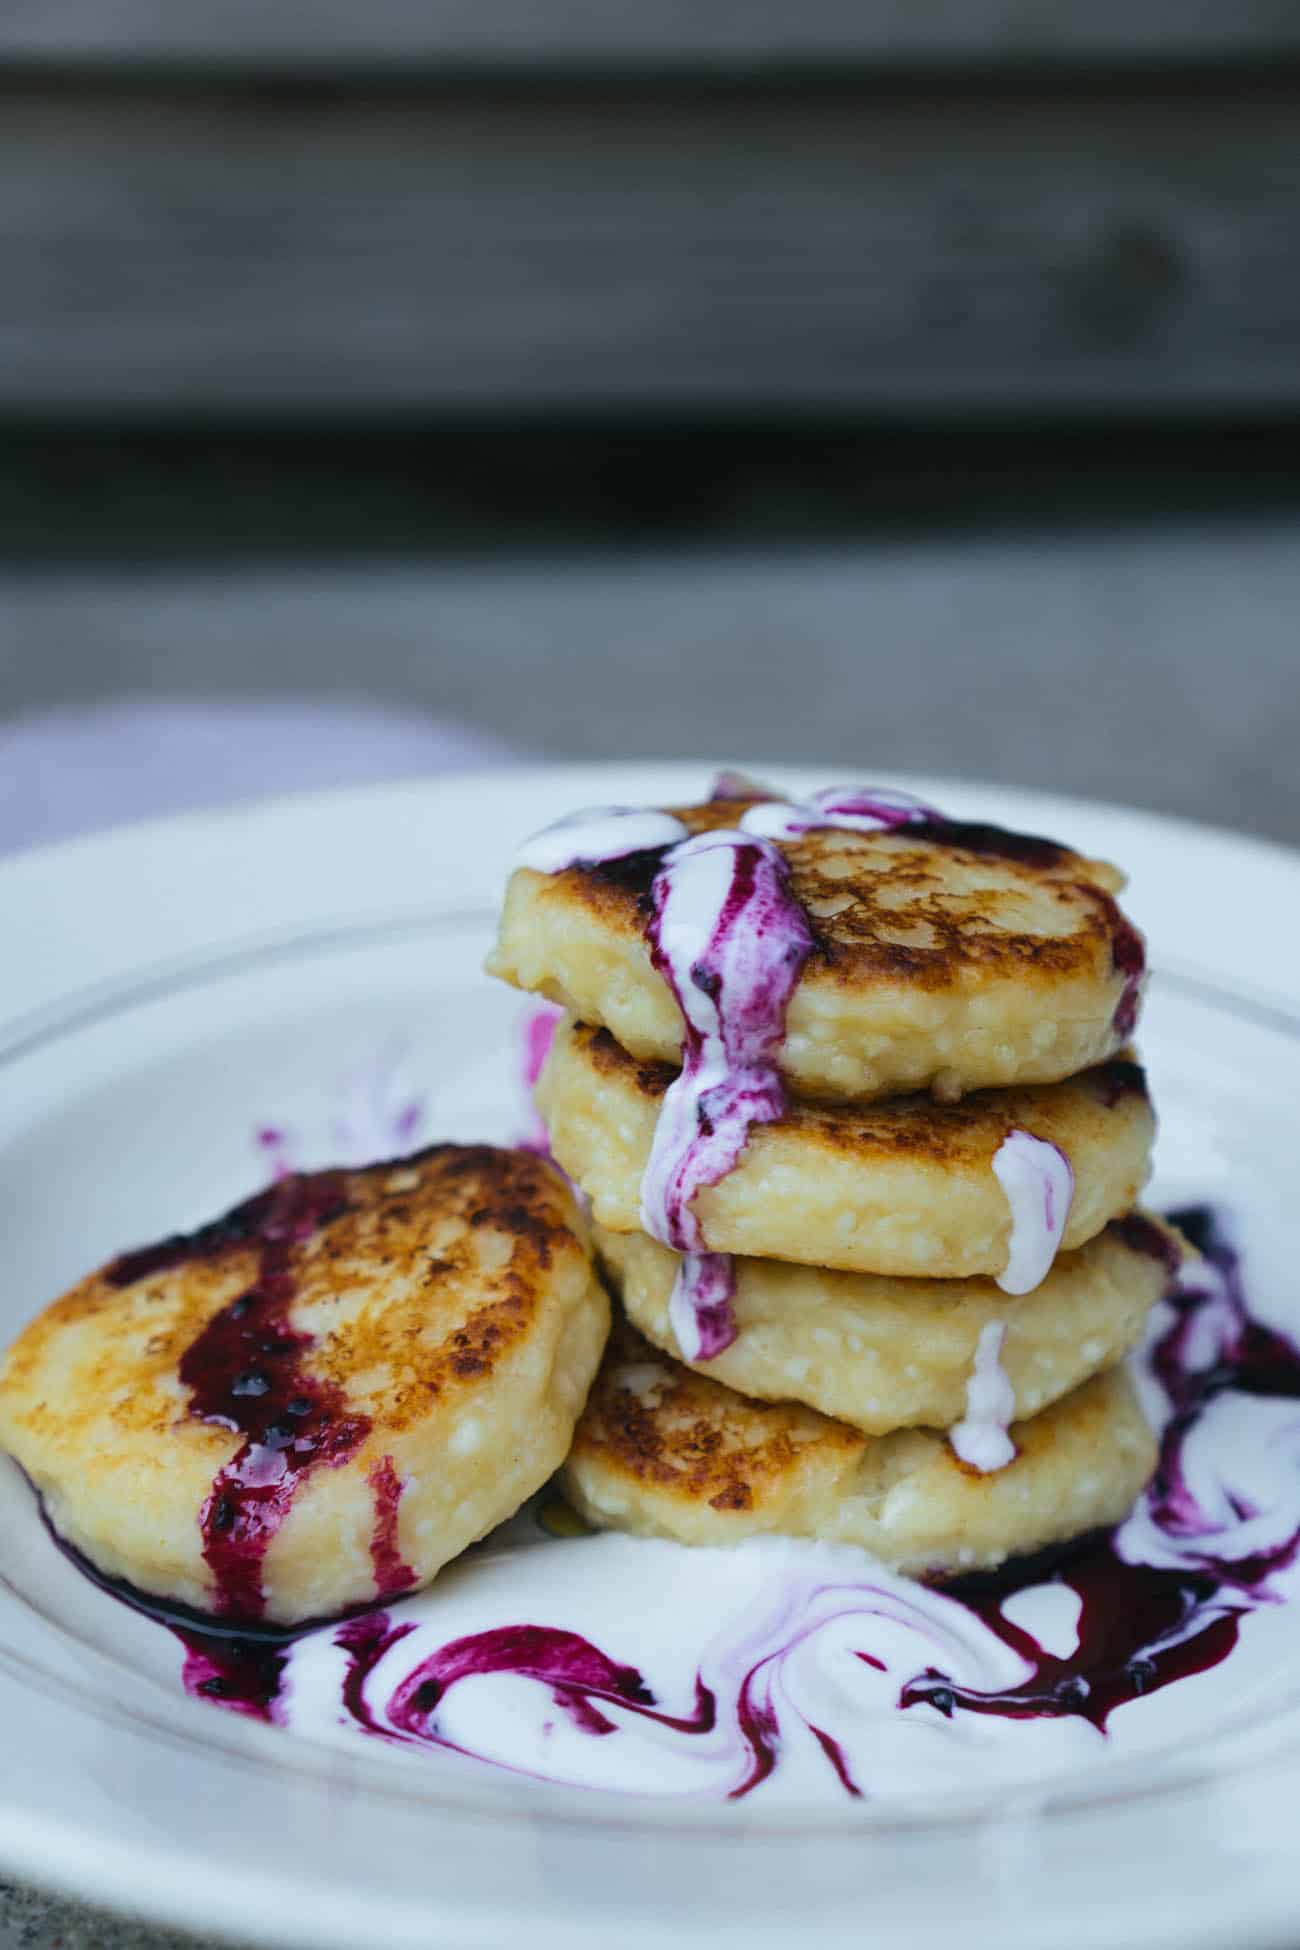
(991, 842)
(243, 1675)
(1130, 958)
(246, 1373)
(392, 1573)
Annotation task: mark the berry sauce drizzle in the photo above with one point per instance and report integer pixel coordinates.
(239, 1665)
(245, 1372)
(1130, 958)
(246, 1676)
(392, 1572)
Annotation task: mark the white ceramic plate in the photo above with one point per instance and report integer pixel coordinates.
(166, 989)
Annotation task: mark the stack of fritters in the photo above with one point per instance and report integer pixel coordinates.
(963, 984)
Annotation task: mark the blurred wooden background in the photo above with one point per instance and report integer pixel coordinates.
(888, 382)
(437, 206)
(736, 34)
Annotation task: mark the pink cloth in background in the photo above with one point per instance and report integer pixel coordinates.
(69, 772)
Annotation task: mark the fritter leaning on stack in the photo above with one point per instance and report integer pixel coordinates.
(958, 985)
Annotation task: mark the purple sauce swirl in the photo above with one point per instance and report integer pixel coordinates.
(1144, 1623)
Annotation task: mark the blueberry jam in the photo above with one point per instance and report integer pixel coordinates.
(1142, 1235)
(1130, 959)
(243, 1675)
(1119, 1078)
(634, 872)
(392, 1572)
(245, 1372)
(234, 1228)
(876, 810)
(990, 842)
(241, 1666)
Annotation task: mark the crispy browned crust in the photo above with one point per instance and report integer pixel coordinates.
(696, 1440)
(448, 1253)
(679, 1454)
(881, 905)
(916, 1127)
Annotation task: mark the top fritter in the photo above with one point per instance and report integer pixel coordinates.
(936, 954)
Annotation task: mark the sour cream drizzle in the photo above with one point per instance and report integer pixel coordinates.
(855, 809)
(980, 1439)
(596, 834)
(1038, 1180)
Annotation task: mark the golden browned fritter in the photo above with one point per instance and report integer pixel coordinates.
(952, 956)
(321, 1397)
(905, 1187)
(663, 1452)
(884, 1354)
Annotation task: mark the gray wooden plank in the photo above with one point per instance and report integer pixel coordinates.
(312, 33)
(516, 251)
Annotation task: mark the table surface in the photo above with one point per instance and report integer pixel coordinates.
(30, 1921)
